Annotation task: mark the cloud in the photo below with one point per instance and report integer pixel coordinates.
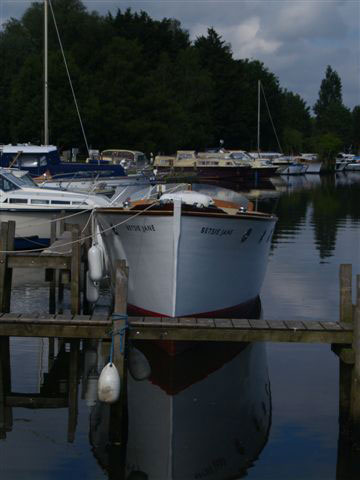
(247, 39)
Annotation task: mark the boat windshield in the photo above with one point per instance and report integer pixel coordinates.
(241, 156)
(7, 183)
(27, 181)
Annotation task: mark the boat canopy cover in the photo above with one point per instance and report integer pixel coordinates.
(189, 198)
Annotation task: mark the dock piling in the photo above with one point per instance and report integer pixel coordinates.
(119, 354)
(345, 352)
(355, 385)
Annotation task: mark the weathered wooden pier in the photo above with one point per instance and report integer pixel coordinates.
(65, 263)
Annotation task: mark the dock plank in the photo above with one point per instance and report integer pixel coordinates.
(295, 325)
(259, 324)
(187, 322)
(313, 325)
(241, 323)
(223, 323)
(205, 322)
(277, 325)
(331, 325)
(346, 326)
(169, 322)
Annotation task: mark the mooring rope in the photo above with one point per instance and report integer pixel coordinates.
(119, 331)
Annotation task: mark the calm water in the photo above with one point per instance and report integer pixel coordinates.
(209, 414)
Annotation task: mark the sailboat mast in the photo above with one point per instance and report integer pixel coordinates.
(46, 97)
(258, 119)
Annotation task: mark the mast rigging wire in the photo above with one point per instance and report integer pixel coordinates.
(69, 77)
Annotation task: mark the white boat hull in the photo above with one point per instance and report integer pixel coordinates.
(313, 167)
(183, 264)
(291, 169)
(353, 167)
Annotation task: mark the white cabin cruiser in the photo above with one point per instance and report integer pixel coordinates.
(95, 182)
(33, 208)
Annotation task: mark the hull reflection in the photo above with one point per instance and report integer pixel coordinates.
(204, 413)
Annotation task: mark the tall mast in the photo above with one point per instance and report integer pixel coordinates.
(46, 98)
(258, 120)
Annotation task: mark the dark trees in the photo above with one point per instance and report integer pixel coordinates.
(332, 117)
(140, 83)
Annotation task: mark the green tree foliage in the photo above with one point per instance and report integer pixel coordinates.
(356, 129)
(141, 83)
(331, 115)
(327, 145)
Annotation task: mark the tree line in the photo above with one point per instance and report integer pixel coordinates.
(142, 84)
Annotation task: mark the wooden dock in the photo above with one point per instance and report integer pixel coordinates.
(177, 329)
(65, 263)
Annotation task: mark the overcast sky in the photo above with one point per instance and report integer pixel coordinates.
(295, 39)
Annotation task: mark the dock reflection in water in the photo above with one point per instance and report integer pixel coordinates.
(204, 413)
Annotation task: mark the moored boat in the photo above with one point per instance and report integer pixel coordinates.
(188, 254)
(33, 208)
(44, 160)
(354, 164)
(235, 165)
(311, 162)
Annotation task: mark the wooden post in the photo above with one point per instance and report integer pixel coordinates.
(52, 272)
(6, 243)
(73, 389)
(345, 369)
(60, 296)
(5, 386)
(75, 270)
(355, 387)
(119, 324)
(86, 306)
(62, 222)
(345, 293)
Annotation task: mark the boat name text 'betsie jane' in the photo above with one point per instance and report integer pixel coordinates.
(140, 228)
(216, 231)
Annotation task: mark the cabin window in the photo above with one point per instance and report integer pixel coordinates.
(38, 201)
(60, 202)
(228, 163)
(18, 200)
(30, 161)
(78, 203)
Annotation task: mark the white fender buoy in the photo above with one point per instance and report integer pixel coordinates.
(109, 384)
(92, 290)
(139, 366)
(95, 260)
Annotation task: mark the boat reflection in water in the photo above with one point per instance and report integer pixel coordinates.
(204, 413)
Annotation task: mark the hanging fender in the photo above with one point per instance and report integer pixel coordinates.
(95, 260)
(92, 289)
(109, 384)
